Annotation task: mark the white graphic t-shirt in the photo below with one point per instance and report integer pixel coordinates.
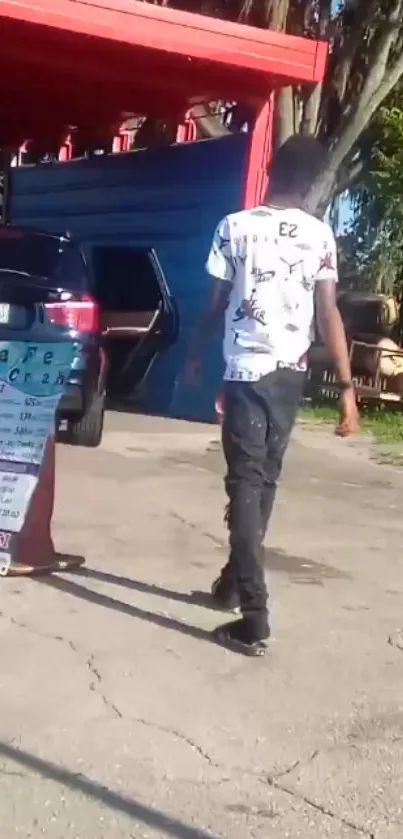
(273, 258)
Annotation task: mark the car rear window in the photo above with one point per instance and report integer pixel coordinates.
(58, 263)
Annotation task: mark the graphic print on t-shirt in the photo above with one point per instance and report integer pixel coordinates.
(292, 266)
(327, 261)
(250, 309)
(223, 250)
(272, 258)
(261, 276)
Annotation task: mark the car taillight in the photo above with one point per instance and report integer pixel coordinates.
(80, 315)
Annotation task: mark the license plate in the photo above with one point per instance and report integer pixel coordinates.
(4, 312)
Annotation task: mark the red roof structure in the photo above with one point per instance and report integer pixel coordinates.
(92, 63)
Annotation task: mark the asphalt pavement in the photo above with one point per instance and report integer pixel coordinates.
(119, 715)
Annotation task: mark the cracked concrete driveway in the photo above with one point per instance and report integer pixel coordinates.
(120, 718)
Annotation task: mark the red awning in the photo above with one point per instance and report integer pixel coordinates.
(92, 62)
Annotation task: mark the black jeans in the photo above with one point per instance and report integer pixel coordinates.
(258, 420)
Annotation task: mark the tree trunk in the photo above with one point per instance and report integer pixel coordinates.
(285, 116)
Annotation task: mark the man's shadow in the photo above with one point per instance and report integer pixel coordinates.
(89, 595)
(193, 598)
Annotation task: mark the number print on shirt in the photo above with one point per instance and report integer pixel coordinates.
(289, 231)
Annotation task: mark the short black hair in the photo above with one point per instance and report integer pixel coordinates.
(295, 165)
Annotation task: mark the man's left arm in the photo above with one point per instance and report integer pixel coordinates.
(332, 332)
(331, 329)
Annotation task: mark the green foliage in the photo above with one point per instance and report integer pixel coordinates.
(364, 69)
(372, 251)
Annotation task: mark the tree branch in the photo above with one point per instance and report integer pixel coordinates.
(378, 85)
(311, 106)
(394, 76)
(349, 175)
(360, 15)
(276, 13)
(310, 111)
(272, 13)
(285, 115)
(379, 60)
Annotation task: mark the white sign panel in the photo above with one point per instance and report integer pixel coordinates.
(33, 376)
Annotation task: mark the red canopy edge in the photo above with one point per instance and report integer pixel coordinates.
(282, 57)
(91, 63)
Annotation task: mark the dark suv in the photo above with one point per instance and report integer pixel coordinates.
(55, 267)
(119, 309)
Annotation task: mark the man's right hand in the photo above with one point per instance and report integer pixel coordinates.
(349, 414)
(192, 372)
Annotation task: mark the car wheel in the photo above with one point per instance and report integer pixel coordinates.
(87, 431)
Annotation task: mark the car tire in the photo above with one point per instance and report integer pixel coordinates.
(87, 431)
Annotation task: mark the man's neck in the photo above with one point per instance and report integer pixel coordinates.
(278, 202)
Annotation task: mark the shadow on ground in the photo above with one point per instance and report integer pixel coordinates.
(300, 569)
(90, 596)
(79, 783)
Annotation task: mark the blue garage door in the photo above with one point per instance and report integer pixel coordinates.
(170, 200)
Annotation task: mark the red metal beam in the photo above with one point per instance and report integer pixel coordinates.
(77, 67)
(281, 57)
(88, 62)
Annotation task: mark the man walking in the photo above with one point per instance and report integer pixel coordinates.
(272, 267)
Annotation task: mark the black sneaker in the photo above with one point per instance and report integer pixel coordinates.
(240, 638)
(224, 596)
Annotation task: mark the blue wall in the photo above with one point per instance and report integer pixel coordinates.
(171, 200)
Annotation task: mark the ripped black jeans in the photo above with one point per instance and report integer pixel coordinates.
(258, 420)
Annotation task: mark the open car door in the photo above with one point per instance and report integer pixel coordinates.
(139, 316)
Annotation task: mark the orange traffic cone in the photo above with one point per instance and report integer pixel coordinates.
(33, 549)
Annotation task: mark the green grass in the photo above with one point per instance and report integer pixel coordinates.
(385, 425)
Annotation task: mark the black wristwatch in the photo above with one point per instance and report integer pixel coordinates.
(346, 385)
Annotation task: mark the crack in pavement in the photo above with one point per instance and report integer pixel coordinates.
(4, 773)
(180, 736)
(96, 687)
(274, 783)
(195, 527)
(273, 780)
(46, 635)
(296, 765)
(96, 684)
